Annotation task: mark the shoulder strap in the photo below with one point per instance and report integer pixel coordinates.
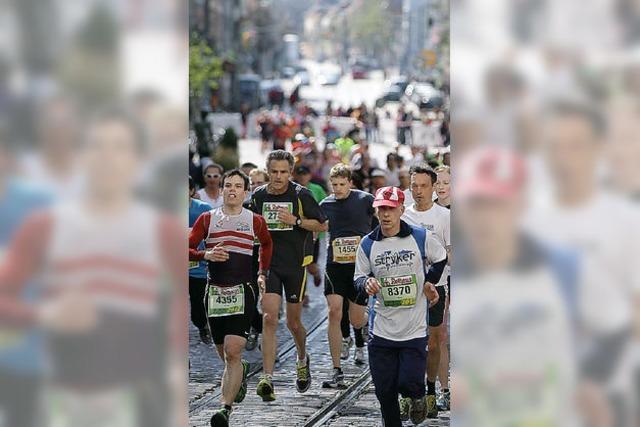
(420, 236)
(366, 244)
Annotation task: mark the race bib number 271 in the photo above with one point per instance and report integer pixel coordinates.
(270, 214)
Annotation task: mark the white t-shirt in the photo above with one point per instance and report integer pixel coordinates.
(215, 203)
(398, 261)
(437, 220)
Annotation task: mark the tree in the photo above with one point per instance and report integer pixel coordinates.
(205, 68)
(371, 28)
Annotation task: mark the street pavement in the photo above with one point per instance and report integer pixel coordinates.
(290, 407)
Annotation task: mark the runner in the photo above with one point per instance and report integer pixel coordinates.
(229, 233)
(210, 194)
(198, 271)
(350, 213)
(292, 215)
(391, 264)
(443, 186)
(430, 216)
(443, 191)
(257, 178)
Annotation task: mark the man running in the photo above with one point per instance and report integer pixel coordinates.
(229, 232)
(257, 178)
(292, 215)
(198, 270)
(349, 213)
(391, 264)
(435, 218)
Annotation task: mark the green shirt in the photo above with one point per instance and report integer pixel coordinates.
(319, 194)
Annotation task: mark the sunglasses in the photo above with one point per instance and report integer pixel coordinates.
(211, 175)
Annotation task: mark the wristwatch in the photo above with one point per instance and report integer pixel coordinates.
(298, 222)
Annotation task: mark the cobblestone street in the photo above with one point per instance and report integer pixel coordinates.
(355, 406)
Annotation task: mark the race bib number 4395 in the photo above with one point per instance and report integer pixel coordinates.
(344, 249)
(225, 301)
(270, 214)
(399, 291)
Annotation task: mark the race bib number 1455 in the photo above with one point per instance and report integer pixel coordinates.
(344, 249)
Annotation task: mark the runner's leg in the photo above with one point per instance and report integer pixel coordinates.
(270, 307)
(197, 289)
(345, 326)
(298, 332)
(232, 378)
(335, 335)
(433, 359)
(384, 365)
(443, 374)
(357, 315)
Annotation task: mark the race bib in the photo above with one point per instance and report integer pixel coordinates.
(193, 264)
(270, 214)
(399, 291)
(226, 301)
(344, 249)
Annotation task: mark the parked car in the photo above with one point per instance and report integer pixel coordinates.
(302, 78)
(424, 96)
(358, 72)
(329, 78)
(288, 72)
(401, 81)
(391, 94)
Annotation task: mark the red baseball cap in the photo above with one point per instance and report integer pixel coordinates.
(389, 196)
(491, 172)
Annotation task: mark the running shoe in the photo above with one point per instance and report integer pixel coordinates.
(265, 389)
(444, 401)
(243, 387)
(205, 336)
(336, 381)
(432, 408)
(418, 411)
(303, 382)
(405, 407)
(252, 340)
(359, 356)
(346, 346)
(220, 418)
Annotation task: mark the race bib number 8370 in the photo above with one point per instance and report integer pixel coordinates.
(399, 291)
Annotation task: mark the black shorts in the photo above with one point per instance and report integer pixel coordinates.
(339, 281)
(237, 324)
(293, 281)
(436, 313)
